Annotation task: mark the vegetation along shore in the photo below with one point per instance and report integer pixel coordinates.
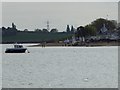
(101, 32)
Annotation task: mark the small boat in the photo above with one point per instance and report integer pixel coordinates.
(17, 49)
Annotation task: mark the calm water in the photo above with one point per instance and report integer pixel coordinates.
(51, 67)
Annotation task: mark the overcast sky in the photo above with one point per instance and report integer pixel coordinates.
(32, 15)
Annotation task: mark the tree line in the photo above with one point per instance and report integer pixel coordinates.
(94, 28)
(91, 29)
(9, 30)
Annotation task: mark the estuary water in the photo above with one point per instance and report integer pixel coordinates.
(61, 67)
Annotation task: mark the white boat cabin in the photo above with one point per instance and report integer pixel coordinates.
(18, 46)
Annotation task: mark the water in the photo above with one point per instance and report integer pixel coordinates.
(61, 67)
(0, 67)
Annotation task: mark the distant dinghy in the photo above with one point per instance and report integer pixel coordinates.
(17, 49)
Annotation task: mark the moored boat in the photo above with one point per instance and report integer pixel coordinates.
(17, 49)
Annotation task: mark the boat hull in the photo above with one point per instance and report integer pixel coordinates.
(15, 50)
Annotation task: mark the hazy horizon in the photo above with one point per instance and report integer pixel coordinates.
(32, 15)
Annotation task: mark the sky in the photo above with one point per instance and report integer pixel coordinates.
(32, 15)
(119, 12)
(60, 0)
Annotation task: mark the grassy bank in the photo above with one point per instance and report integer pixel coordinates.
(35, 37)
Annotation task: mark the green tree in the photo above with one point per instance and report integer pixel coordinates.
(72, 29)
(98, 24)
(3, 28)
(54, 30)
(68, 29)
(81, 32)
(90, 30)
(38, 30)
(114, 22)
(118, 29)
(26, 30)
(45, 30)
(13, 26)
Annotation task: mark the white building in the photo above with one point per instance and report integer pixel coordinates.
(104, 30)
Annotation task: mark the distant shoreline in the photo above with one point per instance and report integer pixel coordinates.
(90, 44)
